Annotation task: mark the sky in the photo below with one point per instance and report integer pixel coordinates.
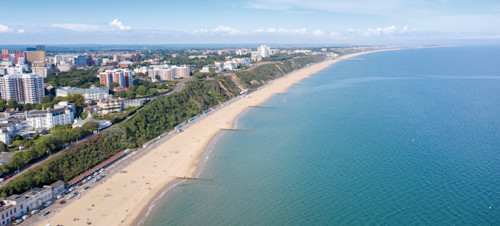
(358, 22)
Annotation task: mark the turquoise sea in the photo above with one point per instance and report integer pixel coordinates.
(409, 137)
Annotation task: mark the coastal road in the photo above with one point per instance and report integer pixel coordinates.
(178, 87)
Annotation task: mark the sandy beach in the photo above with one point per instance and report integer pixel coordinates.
(124, 196)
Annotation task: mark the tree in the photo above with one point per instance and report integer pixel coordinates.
(3, 102)
(113, 85)
(132, 87)
(130, 94)
(142, 90)
(90, 126)
(122, 94)
(76, 98)
(152, 92)
(27, 107)
(46, 99)
(3, 147)
(12, 103)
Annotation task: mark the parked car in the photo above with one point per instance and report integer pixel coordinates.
(34, 212)
(48, 203)
(2, 179)
(71, 189)
(86, 188)
(41, 208)
(18, 221)
(62, 202)
(26, 217)
(46, 213)
(70, 196)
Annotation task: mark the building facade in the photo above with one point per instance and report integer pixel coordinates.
(92, 93)
(16, 206)
(62, 114)
(124, 77)
(24, 88)
(168, 72)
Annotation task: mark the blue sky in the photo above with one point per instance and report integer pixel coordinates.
(252, 21)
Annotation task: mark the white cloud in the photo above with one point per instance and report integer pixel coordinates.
(77, 27)
(4, 28)
(281, 31)
(318, 33)
(380, 31)
(226, 30)
(20, 31)
(119, 24)
(219, 30)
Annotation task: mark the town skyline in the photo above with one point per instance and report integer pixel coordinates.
(357, 22)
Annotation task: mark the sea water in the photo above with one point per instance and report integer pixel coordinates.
(394, 138)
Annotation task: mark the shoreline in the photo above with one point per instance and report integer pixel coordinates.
(134, 191)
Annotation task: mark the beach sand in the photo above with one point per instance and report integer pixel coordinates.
(123, 197)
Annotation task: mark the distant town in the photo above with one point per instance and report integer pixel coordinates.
(53, 100)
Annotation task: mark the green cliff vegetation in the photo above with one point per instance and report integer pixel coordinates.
(161, 115)
(260, 75)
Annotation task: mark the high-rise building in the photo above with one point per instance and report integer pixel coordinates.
(168, 72)
(10, 51)
(32, 56)
(80, 61)
(121, 76)
(105, 78)
(40, 48)
(264, 51)
(40, 68)
(24, 88)
(67, 58)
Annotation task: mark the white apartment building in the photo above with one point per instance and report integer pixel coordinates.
(143, 69)
(8, 129)
(24, 88)
(92, 93)
(169, 72)
(264, 51)
(63, 67)
(16, 206)
(62, 114)
(42, 71)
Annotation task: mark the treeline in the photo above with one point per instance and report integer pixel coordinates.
(262, 74)
(82, 78)
(161, 115)
(41, 146)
